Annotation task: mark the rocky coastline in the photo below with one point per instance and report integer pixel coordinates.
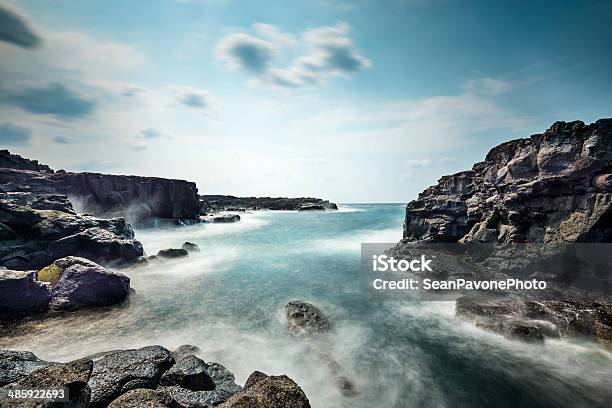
(232, 203)
(530, 202)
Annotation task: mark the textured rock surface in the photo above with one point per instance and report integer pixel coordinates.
(15, 365)
(305, 318)
(552, 187)
(172, 253)
(223, 202)
(143, 398)
(21, 294)
(117, 372)
(73, 376)
(132, 197)
(269, 392)
(189, 373)
(46, 228)
(83, 284)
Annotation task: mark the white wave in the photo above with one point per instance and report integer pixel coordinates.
(352, 242)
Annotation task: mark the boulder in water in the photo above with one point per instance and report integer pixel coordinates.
(189, 373)
(172, 253)
(305, 318)
(21, 293)
(190, 247)
(269, 392)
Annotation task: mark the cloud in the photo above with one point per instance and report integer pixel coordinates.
(63, 140)
(54, 99)
(152, 134)
(323, 52)
(11, 134)
(195, 98)
(420, 162)
(95, 165)
(491, 86)
(15, 29)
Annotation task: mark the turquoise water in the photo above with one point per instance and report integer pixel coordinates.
(228, 300)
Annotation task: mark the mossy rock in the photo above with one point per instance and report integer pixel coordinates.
(49, 273)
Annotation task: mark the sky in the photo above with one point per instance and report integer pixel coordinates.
(352, 101)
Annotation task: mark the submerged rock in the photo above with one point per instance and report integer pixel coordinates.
(117, 372)
(311, 207)
(185, 350)
(172, 253)
(269, 392)
(223, 218)
(305, 318)
(190, 247)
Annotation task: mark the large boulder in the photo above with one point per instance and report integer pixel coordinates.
(116, 372)
(77, 283)
(72, 376)
(305, 318)
(15, 365)
(269, 392)
(189, 373)
(171, 253)
(21, 294)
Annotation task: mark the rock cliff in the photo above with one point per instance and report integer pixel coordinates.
(133, 197)
(551, 187)
(228, 202)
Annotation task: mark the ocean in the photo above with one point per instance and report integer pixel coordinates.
(228, 300)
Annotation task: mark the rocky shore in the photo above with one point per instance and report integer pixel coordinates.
(529, 201)
(231, 203)
(150, 376)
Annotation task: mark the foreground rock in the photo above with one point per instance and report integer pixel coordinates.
(268, 392)
(42, 228)
(69, 283)
(72, 376)
(305, 318)
(77, 283)
(225, 202)
(147, 377)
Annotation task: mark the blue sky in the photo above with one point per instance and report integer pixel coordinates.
(355, 101)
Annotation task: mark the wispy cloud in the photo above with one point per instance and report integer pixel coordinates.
(54, 99)
(15, 29)
(323, 52)
(11, 134)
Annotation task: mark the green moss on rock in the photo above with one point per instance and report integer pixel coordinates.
(49, 273)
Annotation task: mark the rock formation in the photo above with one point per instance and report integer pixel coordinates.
(227, 202)
(38, 229)
(549, 191)
(146, 377)
(551, 187)
(69, 283)
(133, 197)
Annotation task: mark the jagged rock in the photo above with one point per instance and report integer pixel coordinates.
(15, 365)
(117, 372)
(14, 161)
(143, 397)
(47, 228)
(305, 318)
(223, 387)
(552, 187)
(21, 294)
(254, 378)
(77, 283)
(190, 247)
(225, 202)
(73, 376)
(270, 392)
(172, 253)
(189, 373)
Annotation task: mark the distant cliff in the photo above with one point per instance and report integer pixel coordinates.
(221, 202)
(551, 187)
(133, 197)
